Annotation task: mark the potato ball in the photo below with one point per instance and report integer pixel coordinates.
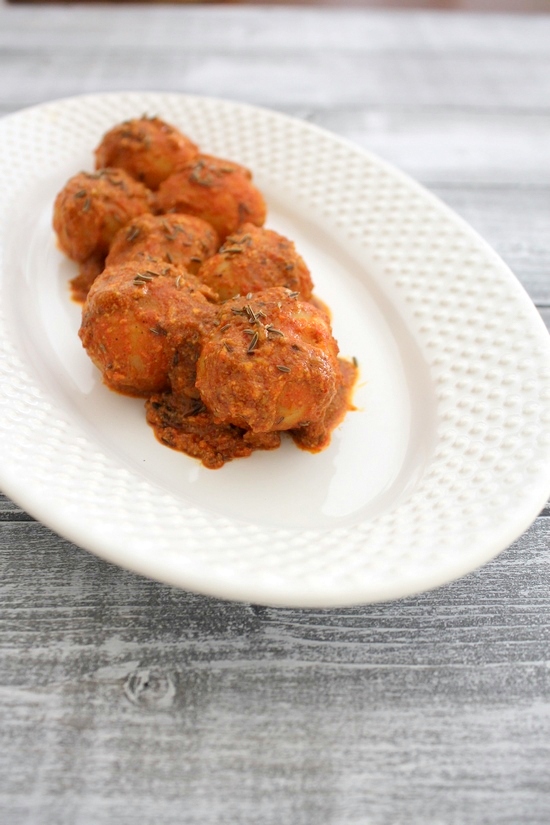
(271, 364)
(315, 436)
(219, 191)
(134, 318)
(253, 259)
(149, 149)
(182, 240)
(91, 208)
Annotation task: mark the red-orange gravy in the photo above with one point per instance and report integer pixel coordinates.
(185, 424)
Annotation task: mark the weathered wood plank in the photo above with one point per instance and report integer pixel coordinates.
(293, 57)
(281, 78)
(11, 512)
(122, 697)
(6, 505)
(280, 28)
(60, 600)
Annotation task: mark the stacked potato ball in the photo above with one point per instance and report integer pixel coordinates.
(191, 303)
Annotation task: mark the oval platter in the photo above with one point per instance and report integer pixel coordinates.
(445, 461)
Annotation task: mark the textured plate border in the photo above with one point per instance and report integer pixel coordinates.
(487, 351)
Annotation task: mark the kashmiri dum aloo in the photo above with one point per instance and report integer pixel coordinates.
(190, 302)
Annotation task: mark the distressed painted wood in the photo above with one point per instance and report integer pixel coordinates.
(263, 28)
(270, 76)
(157, 704)
(124, 700)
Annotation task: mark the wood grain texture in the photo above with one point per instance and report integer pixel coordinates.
(343, 58)
(124, 700)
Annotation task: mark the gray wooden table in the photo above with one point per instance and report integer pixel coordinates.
(126, 701)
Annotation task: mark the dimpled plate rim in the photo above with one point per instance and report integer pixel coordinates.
(484, 344)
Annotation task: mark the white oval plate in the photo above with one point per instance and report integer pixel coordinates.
(445, 462)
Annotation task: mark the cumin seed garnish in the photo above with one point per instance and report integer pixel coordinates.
(249, 296)
(142, 279)
(279, 421)
(225, 327)
(81, 193)
(204, 181)
(355, 362)
(196, 408)
(282, 368)
(293, 294)
(250, 332)
(87, 204)
(178, 282)
(132, 233)
(196, 260)
(158, 330)
(169, 258)
(251, 314)
(273, 331)
(228, 347)
(254, 343)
